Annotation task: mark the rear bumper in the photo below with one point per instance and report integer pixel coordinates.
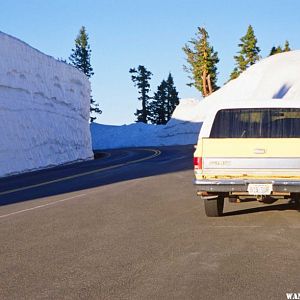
(229, 185)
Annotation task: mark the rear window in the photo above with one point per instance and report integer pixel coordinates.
(257, 123)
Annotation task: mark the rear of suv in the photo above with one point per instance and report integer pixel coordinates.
(248, 151)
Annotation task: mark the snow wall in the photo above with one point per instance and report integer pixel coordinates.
(44, 110)
(275, 77)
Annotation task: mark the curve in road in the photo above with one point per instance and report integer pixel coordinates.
(155, 153)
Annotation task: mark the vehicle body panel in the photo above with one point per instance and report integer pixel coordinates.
(245, 158)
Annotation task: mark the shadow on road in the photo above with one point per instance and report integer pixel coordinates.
(268, 207)
(64, 179)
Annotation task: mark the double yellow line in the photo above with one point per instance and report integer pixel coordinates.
(156, 153)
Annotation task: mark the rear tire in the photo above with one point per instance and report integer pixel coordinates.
(214, 207)
(295, 199)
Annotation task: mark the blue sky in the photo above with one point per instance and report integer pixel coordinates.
(128, 33)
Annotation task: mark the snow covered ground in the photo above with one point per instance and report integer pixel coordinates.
(44, 110)
(180, 130)
(275, 77)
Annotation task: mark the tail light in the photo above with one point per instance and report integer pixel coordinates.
(198, 163)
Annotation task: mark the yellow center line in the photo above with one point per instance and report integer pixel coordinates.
(156, 153)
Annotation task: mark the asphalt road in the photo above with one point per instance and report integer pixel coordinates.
(129, 226)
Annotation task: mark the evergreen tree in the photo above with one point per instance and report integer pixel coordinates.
(159, 104)
(275, 50)
(202, 60)
(235, 73)
(280, 49)
(248, 54)
(80, 58)
(172, 97)
(81, 55)
(141, 77)
(164, 102)
(286, 47)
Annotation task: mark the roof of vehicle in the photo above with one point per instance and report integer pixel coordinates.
(267, 103)
(257, 104)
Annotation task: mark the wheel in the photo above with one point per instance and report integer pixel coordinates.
(295, 199)
(214, 207)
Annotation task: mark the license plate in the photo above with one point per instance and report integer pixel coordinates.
(260, 189)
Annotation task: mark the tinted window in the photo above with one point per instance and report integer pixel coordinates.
(257, 123)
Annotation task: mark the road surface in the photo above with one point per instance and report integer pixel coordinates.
(129, 226)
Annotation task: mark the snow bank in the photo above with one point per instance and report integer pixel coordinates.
(133, 135)
(275, 77)
(44, 110)
(182, 129)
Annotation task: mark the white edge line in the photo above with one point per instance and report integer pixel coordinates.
(40, 206)
(156, 153)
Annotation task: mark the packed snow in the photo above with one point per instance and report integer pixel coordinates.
(44, 110)
(275, 77)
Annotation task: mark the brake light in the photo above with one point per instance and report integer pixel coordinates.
(198, 163)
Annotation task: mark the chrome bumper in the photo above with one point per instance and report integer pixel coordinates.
(229, 185)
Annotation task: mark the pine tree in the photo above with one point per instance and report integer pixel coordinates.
(279, 49)
(202, 60)
(158, 105)
(275, 50)
(172, 97)
(164, 102)
(141, 78)
(286, 46)
(248, 54)
(81, 55)
(235, 73)
(80, 58)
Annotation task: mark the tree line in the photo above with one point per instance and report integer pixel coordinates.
(202, 59)
(158, 108)
(202, 62)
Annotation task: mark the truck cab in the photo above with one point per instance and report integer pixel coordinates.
(249, 150)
